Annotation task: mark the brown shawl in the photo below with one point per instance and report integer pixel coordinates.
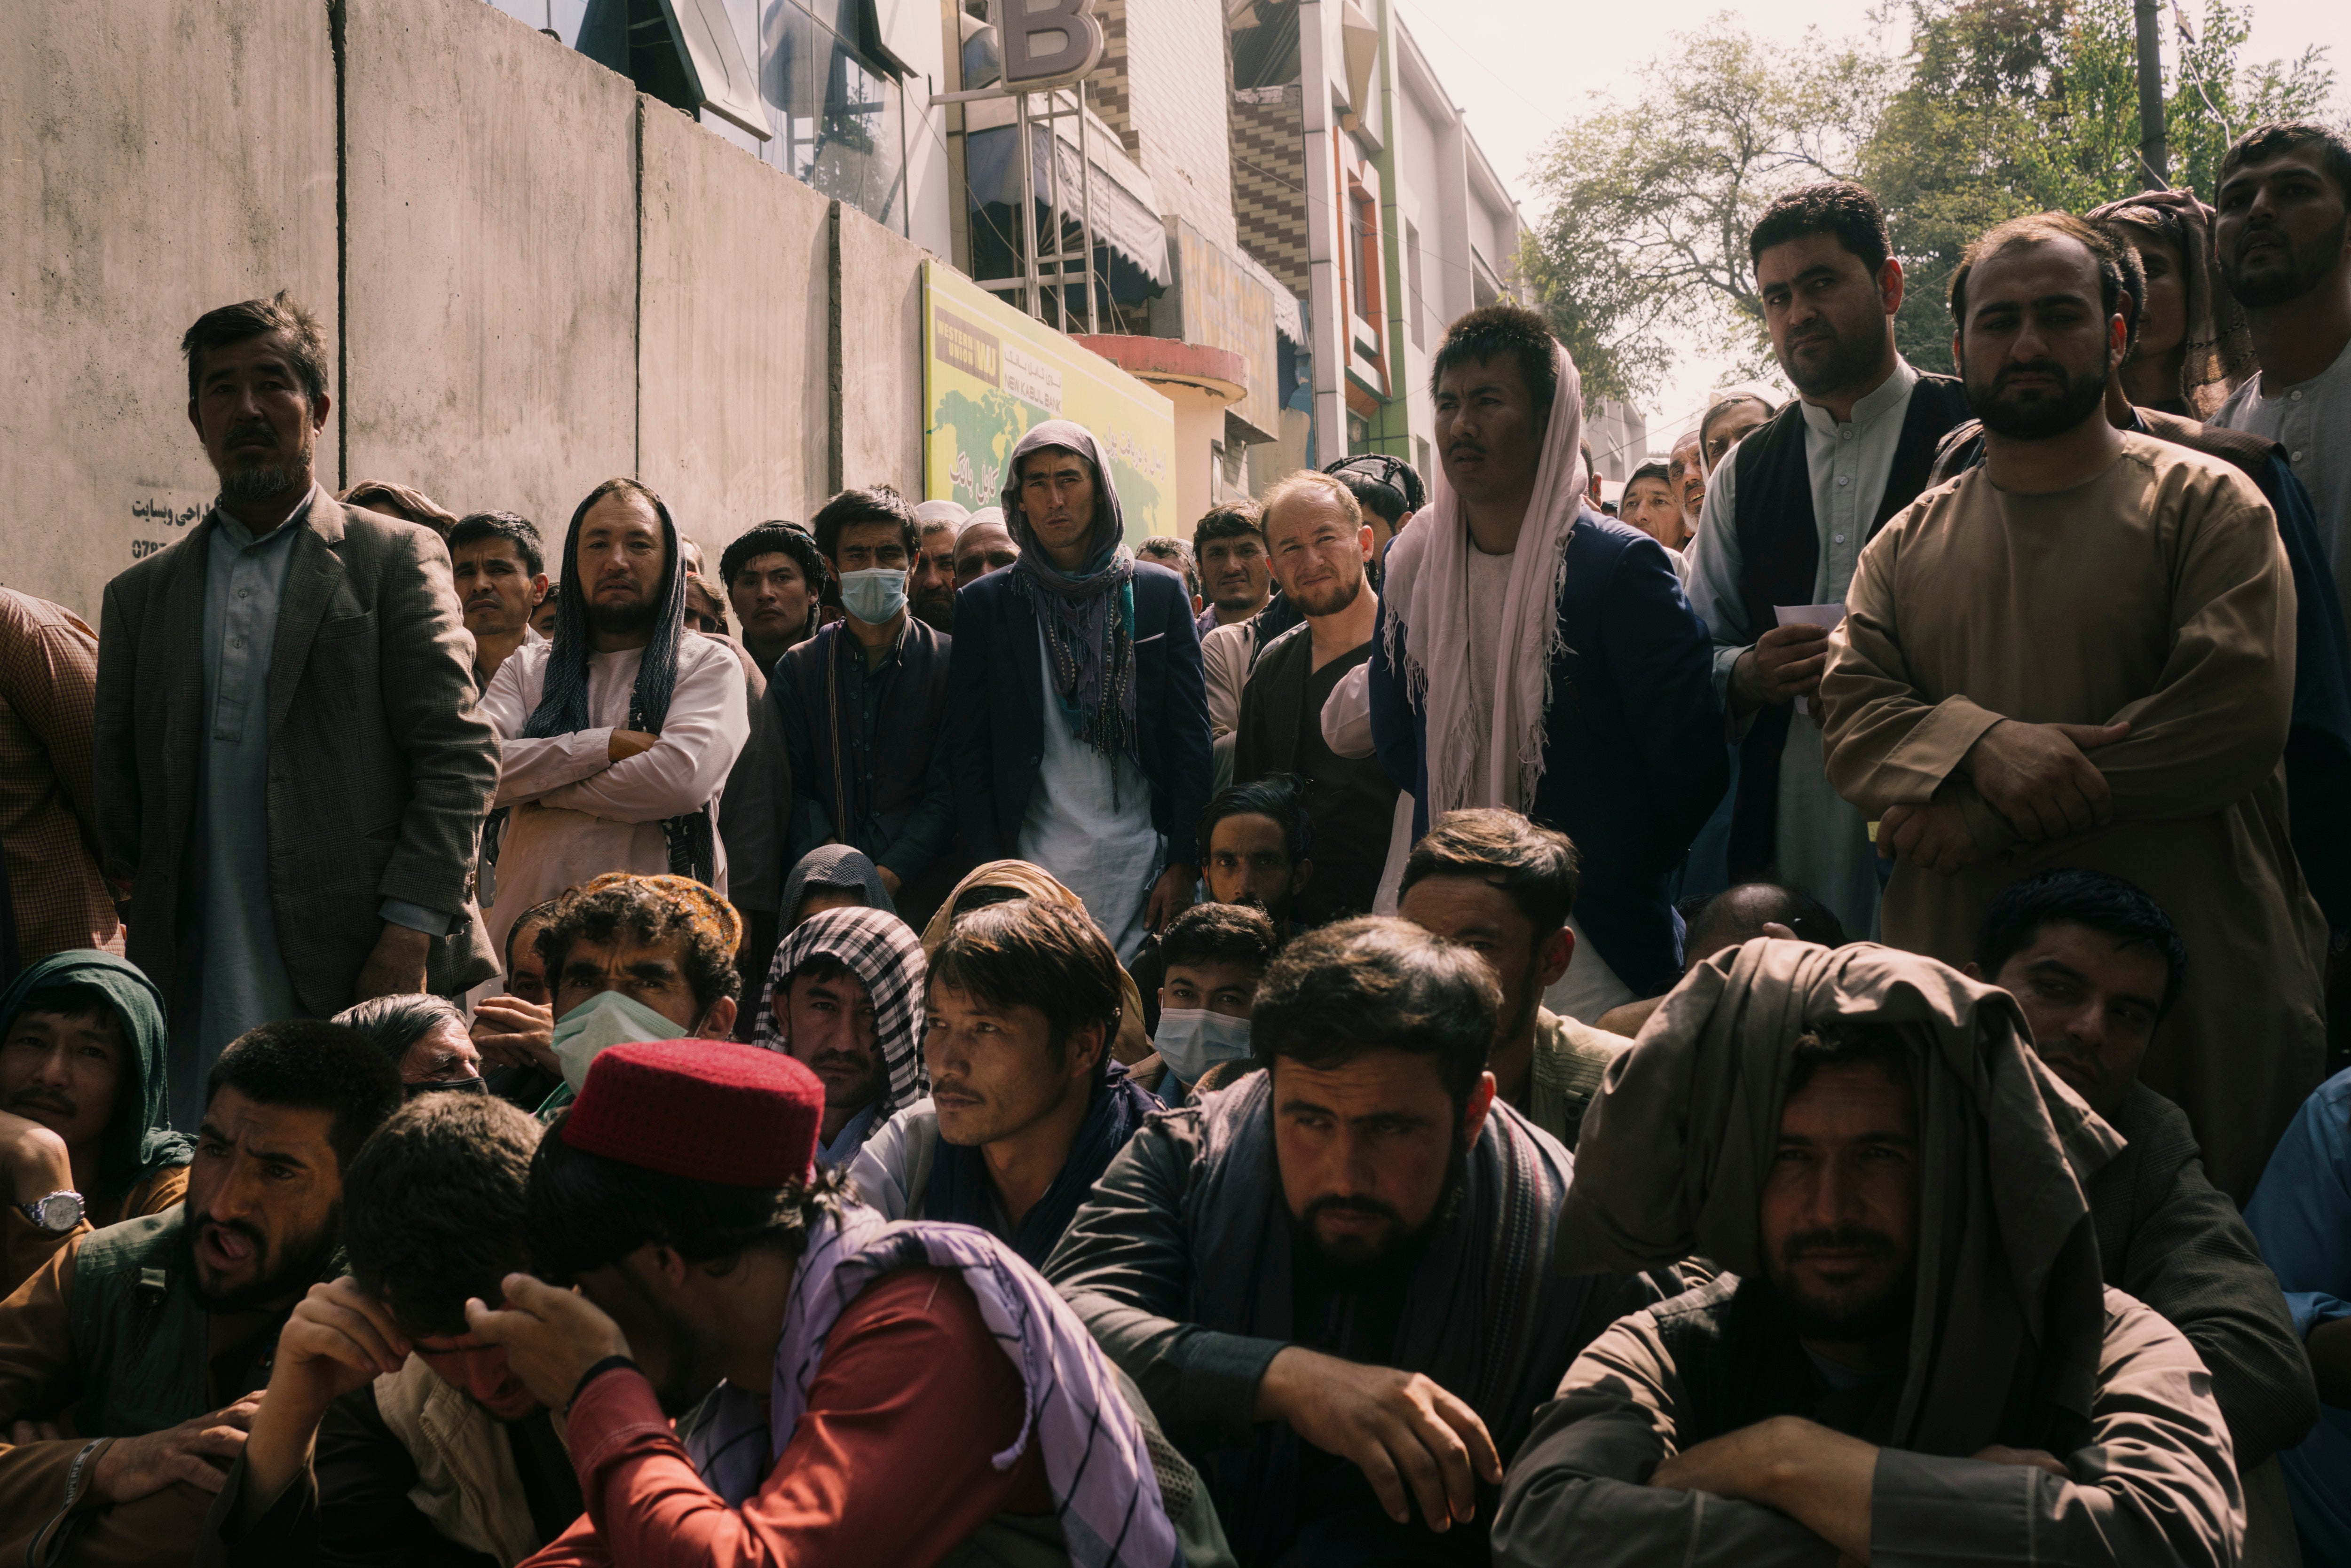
(1676, 1148)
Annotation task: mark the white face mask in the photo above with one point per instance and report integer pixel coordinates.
(874, 596)
(1190, 1040)
(605, 1020)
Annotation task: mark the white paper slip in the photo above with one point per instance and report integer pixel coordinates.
(1826, 615)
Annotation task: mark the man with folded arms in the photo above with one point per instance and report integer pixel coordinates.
(1912, 1358)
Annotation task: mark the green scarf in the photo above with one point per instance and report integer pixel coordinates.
(138, 1139)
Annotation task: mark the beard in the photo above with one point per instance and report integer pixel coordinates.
(935, 608)
(251, 479)
(1356, 1266)
(2306, 267)
(275, 1278)
(2040, 416)
(1854, 1320)
(622, 619)
(1337, 597)
(1837, 361)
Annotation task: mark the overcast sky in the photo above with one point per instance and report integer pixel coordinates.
(1526, 64)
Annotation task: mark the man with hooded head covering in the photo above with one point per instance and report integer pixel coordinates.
(844, 998)
(1912, 1358)
(86, 1135)
(1027, 1105)
(1077, 717)
(616, 737)
(1534, 655)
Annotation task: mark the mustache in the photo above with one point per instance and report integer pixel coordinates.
(45, 1099)
(1837, 1239)
(240, 1228)
(1346, 1203)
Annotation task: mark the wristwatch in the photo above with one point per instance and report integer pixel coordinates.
(57, 1214)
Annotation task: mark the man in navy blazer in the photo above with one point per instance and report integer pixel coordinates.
(1077, 724)
(1535, 655)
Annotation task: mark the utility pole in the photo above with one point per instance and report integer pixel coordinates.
(2155, 161)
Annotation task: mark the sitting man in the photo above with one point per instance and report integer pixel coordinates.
(428, 1450)
(1214, 955)
(1914, 1360)
(1334, 1279)
(149, 1339)
(1738, 914)
(1027, 1104)
(1502, 887)
(844, 998)
(869, 1393)
(2094, 962)
(426, 1038)
(637, 957)
(86, 1135)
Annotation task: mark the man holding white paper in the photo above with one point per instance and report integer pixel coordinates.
(1786, 514)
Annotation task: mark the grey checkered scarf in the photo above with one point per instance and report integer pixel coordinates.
(885, 955)
(1088, 616)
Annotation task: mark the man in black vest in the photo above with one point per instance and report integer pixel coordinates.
(863, 703)
(1785, 520)
(129, 1336)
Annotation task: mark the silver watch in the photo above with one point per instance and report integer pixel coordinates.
(57, 1214)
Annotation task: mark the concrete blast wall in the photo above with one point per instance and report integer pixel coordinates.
(531, 277)
(156, 159)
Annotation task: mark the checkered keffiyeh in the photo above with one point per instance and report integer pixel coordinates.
(883, 952)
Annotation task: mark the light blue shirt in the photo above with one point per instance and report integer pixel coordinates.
(2300, 1213)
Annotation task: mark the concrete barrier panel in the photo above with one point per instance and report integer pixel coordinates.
(491, 285)
(878, 299)
(156, 160)
(733, 405)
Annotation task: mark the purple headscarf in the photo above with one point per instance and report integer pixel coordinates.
(1088, 615)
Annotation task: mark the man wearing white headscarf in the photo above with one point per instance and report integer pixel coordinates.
(1535, 655)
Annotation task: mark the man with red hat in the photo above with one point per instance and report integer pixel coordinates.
(870, 1392)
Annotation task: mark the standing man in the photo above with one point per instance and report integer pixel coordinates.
(1077, 723)
(1537, 656)
(2082, 653)
(774, 576)
(52, 896)
(291, 765)
(1685, 482)
(1231, 547)
(984, 546)
(500, 568)
(1652, 504)
(1027, 1104)
(618, 734)
(2284, 241)
(931, 587)
(1785, 521)
(862, 705)
(1319, 544)
(1390, 492)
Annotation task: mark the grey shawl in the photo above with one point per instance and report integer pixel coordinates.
(1088, 616)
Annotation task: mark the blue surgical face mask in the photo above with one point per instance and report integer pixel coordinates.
(605, 1020)
(1191, 1040)
(874, 596)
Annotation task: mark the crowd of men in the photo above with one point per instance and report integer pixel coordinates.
(1423, 1024)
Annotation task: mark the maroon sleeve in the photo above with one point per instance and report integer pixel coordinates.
(891, 1463)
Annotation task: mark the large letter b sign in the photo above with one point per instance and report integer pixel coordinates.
(1054, 39)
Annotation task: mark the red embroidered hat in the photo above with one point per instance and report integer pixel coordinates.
(708, 1110)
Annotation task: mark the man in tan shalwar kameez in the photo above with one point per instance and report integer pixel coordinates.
(2082, 653)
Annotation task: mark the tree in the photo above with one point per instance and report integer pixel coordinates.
(1643, 240)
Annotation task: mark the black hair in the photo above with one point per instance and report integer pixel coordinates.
(1377, 984)
(1658, 471)
(881, 504)
(1490, 331)
(512, 527)
(309, 1065)
(1173, 553)
(775, 539)
(707, 930)
(1219, 933)
(1538, 867)
(69, 999)
(1706, 420)
(1381, 484)
(397, 1022)
(305, 345)
(1850, 1044)
(1036, 953)
(588, 1211)
(2073, 895)
(432, 1209)
(1724, 919)
(537, 913)
(2274, 137)
(986, 894)
(2134, 271)
(1836, 207)
(2041, 228)
(1232, 520)
(1280, 796)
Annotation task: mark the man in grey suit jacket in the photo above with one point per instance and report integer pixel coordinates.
(291, 765)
